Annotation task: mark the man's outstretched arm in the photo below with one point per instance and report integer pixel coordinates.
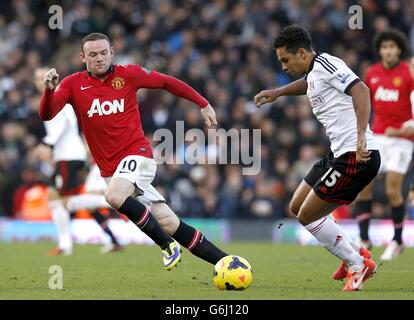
(295, 88)
(183, 90)
(157, 80)
(52, 101)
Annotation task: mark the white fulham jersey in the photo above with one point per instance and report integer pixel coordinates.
(329, 83)
(94, 182)
(63, 134)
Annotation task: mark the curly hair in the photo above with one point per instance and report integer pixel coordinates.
(391, 34)
(292, 38)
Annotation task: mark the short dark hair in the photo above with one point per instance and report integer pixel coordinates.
(391, 34)
(293, 38)
(93, 37)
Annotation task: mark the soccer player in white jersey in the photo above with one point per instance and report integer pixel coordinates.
(341, 102)
(64, 144)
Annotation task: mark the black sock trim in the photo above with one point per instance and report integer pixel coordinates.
(398, 214)
(184, 234)
(197, 243)
(142, 217)
(133, 209)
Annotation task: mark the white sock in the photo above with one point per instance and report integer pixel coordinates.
(332, 237)
(61, 219)
(355, 245)
(87, 201)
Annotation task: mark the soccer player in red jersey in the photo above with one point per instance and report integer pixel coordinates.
(391, 85)
(105, 102)
(407, 128)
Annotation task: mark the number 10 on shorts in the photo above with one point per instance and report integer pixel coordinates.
(129, 166)
(330, 178)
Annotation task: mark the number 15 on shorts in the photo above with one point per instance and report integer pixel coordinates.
(330, 178)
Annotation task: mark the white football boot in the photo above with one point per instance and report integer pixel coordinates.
(392, 251)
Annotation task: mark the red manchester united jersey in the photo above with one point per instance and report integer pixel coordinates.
(390, 95)
(108, 112)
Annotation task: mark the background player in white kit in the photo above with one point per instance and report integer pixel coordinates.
(95, 184)
(340, 101)
(65, 145)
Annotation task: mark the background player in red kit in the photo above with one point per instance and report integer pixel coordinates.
(105, 102)
(391, 85)
(407, 128)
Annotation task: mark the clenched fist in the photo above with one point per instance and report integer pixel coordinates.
(51, 79)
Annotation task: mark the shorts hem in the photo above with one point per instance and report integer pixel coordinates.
(332, 200)
(159, 201)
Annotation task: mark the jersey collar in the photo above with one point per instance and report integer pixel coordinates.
(312, 62)
(395, 65)
(108, 72)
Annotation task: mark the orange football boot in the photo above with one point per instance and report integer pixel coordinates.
(342, 270)
(355, 279)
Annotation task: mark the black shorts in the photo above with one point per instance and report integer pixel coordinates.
(340, 180)
(68, 177)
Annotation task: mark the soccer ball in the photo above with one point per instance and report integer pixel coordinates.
(232, 273)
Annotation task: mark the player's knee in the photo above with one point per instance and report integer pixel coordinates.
(114, 199)
(303, 216)
(303, 220)
(53, 194)
(294, 207)
(393, 194)
(65, 201)
(363, 198)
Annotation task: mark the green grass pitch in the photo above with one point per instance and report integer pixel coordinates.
(279, 272)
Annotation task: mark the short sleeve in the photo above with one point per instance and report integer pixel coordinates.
(343, 78)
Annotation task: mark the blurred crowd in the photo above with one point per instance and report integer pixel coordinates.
(224, 50)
